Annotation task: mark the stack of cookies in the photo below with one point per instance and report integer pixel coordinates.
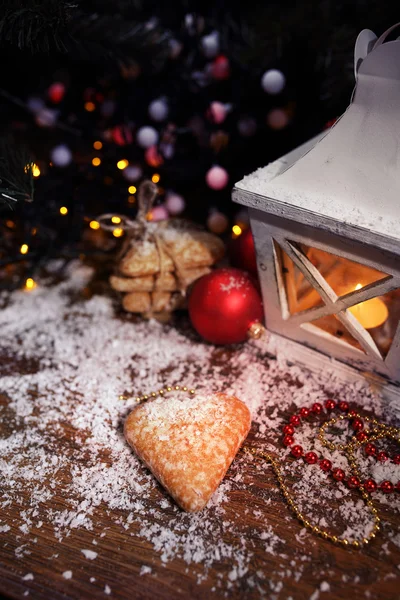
(155, 269)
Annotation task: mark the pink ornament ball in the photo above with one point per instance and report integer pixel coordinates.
(159, 213)
(277, 118)
(220, 68)
(217, 178)
(174, 203)
(56, 92)
(217, 112)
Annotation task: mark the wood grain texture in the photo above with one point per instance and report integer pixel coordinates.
(295, 569)
(121, 556)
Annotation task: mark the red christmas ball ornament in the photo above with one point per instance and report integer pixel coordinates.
(223, 306)
(56, 92)
(242, 252)
(220, 68)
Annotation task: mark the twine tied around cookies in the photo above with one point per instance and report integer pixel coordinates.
(142, 228)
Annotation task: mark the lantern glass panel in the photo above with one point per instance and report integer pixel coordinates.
(331, 325)
(342, 274)
(387, 306)
(301, 295)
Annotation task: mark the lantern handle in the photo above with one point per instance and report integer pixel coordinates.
(384, 35)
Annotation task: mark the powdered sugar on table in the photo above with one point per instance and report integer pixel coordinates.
(71, 375)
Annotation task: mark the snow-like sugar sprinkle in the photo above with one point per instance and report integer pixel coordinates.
(145, 570)
(28, 577)
(107, 590)
(71, 374)
(89, 554)
(67, 574)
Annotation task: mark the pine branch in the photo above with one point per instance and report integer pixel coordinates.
(37, 26)
(16, 173)
(111, 36)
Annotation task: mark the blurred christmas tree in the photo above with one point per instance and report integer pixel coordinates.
(106, 93)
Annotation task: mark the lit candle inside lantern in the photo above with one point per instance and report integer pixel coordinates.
(370, 313)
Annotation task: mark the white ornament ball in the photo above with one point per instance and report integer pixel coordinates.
(159, 213)
(158, 110)
(35, 104)
(273, 81)
(277, 118)
(217, 178)
(146, 137)
(247, 126)
(132, 173)
(217, 222)
(46, 117)
(175, 48)
(210, 44)
(175, 203)
(61, 156)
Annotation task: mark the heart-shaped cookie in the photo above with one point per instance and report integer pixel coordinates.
(189, 443)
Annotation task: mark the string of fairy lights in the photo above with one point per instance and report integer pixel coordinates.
(118, 231)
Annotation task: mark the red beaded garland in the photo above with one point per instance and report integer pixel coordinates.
(382, 457)
(387, 487)
(325, 464)
(288, 430)
(311, 458)
(353, 482)
(295, 420)
(370, 449)
(357, 424)
(304, 412)
(338, 474)
(330, 404)
(297, 451)
(317, 408)
(370, 485)
(288, 440)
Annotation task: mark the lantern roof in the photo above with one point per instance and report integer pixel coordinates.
(348, 178)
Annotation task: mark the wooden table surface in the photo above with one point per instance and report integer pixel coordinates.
(300, 566)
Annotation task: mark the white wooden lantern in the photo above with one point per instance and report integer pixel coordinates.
(326, 224)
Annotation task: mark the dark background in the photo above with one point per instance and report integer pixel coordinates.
(91, 46)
